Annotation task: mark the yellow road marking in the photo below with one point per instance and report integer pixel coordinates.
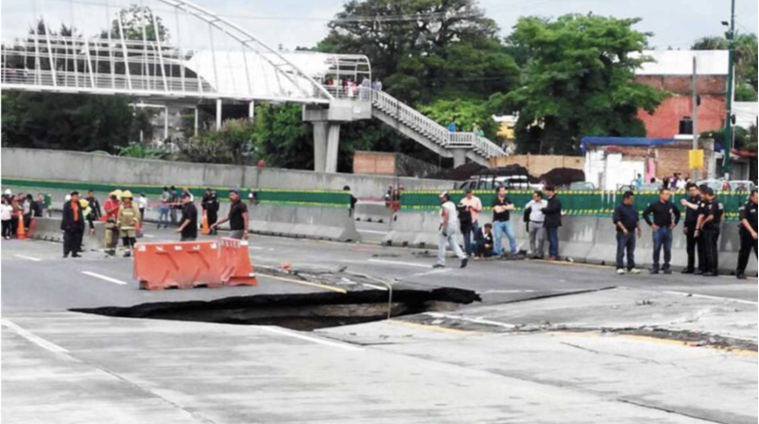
(430, 327)
(306, 283)
(657, 340)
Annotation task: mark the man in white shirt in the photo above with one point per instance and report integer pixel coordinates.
(533, 212)
(449, 221)
(473, 205)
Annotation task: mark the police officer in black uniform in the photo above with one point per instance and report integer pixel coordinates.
(748, 234)
(708, 228)
(692, 205)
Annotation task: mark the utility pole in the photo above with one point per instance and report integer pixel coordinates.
(694, 89)
(730, 71)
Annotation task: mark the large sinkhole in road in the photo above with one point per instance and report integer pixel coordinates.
(303, 312)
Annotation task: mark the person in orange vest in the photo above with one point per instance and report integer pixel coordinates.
(111, 208)
(72, 225)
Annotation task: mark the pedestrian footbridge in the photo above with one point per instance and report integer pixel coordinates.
(177, 53)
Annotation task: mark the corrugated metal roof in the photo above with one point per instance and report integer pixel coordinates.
(680, 62)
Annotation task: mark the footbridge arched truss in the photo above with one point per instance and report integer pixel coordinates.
(158, 48)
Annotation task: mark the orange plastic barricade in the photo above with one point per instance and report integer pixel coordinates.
(236, 267)
(158, 266)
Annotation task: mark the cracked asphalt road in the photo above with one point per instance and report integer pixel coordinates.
(549, 343)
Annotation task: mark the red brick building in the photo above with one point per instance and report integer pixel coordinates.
(672, 72)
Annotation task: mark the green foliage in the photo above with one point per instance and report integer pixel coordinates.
(140, 151)
(745, 93)
(454, 50)
(751, 143)
(466, 113)
(138, 23)
(745, 58)
(281, 138)
(578, 80)
(232, 144)
(742, 137)
(69, 121)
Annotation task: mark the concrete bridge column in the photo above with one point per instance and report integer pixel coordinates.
(326, 145)
(459, 157)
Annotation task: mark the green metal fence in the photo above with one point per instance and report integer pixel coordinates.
(574, 203)
(316, 198)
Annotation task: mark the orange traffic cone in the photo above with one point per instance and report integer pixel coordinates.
(204, 224)
(21, 232)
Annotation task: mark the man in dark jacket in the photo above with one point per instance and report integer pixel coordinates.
(210, 204)
(72, 225)
(748, 233)
(692, 205)
(708, 228)
(97, 212)
(666, 216)
(552, 222)
(627, 222)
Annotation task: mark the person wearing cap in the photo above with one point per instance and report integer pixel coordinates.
(111, 208)
(188, 224)
(128, 219)
(238, 216)
(88, 215)
(448, 228)
(72, 224)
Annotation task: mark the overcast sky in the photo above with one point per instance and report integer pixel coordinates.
(295, 23)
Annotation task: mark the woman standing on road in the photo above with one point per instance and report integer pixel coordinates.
(6, 215)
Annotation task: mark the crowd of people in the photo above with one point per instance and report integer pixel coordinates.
(123, 217)
(20, 206)
(542, 217)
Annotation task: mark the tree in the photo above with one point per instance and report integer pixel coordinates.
(282, 138)
(233, 144)
(69, 121)
(745, 61)
(424, 50)
(578, 80)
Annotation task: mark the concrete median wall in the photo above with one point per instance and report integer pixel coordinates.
(584, 239)
(373, 212)
(49, 229)
(308, 222)
(62, 165)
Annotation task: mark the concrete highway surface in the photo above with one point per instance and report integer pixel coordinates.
(549, 342)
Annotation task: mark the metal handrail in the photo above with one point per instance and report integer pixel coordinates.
(438, 133)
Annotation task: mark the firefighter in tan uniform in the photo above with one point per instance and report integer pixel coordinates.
(127, 222)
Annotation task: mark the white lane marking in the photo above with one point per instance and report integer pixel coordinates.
(413, 264)
(434, 271)
(705, 296)
(105, 278)
(372, 231)
(472, 320)
(255, 248)
(28, 258)
(148, 236)
(39, 341)
(309, 339)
